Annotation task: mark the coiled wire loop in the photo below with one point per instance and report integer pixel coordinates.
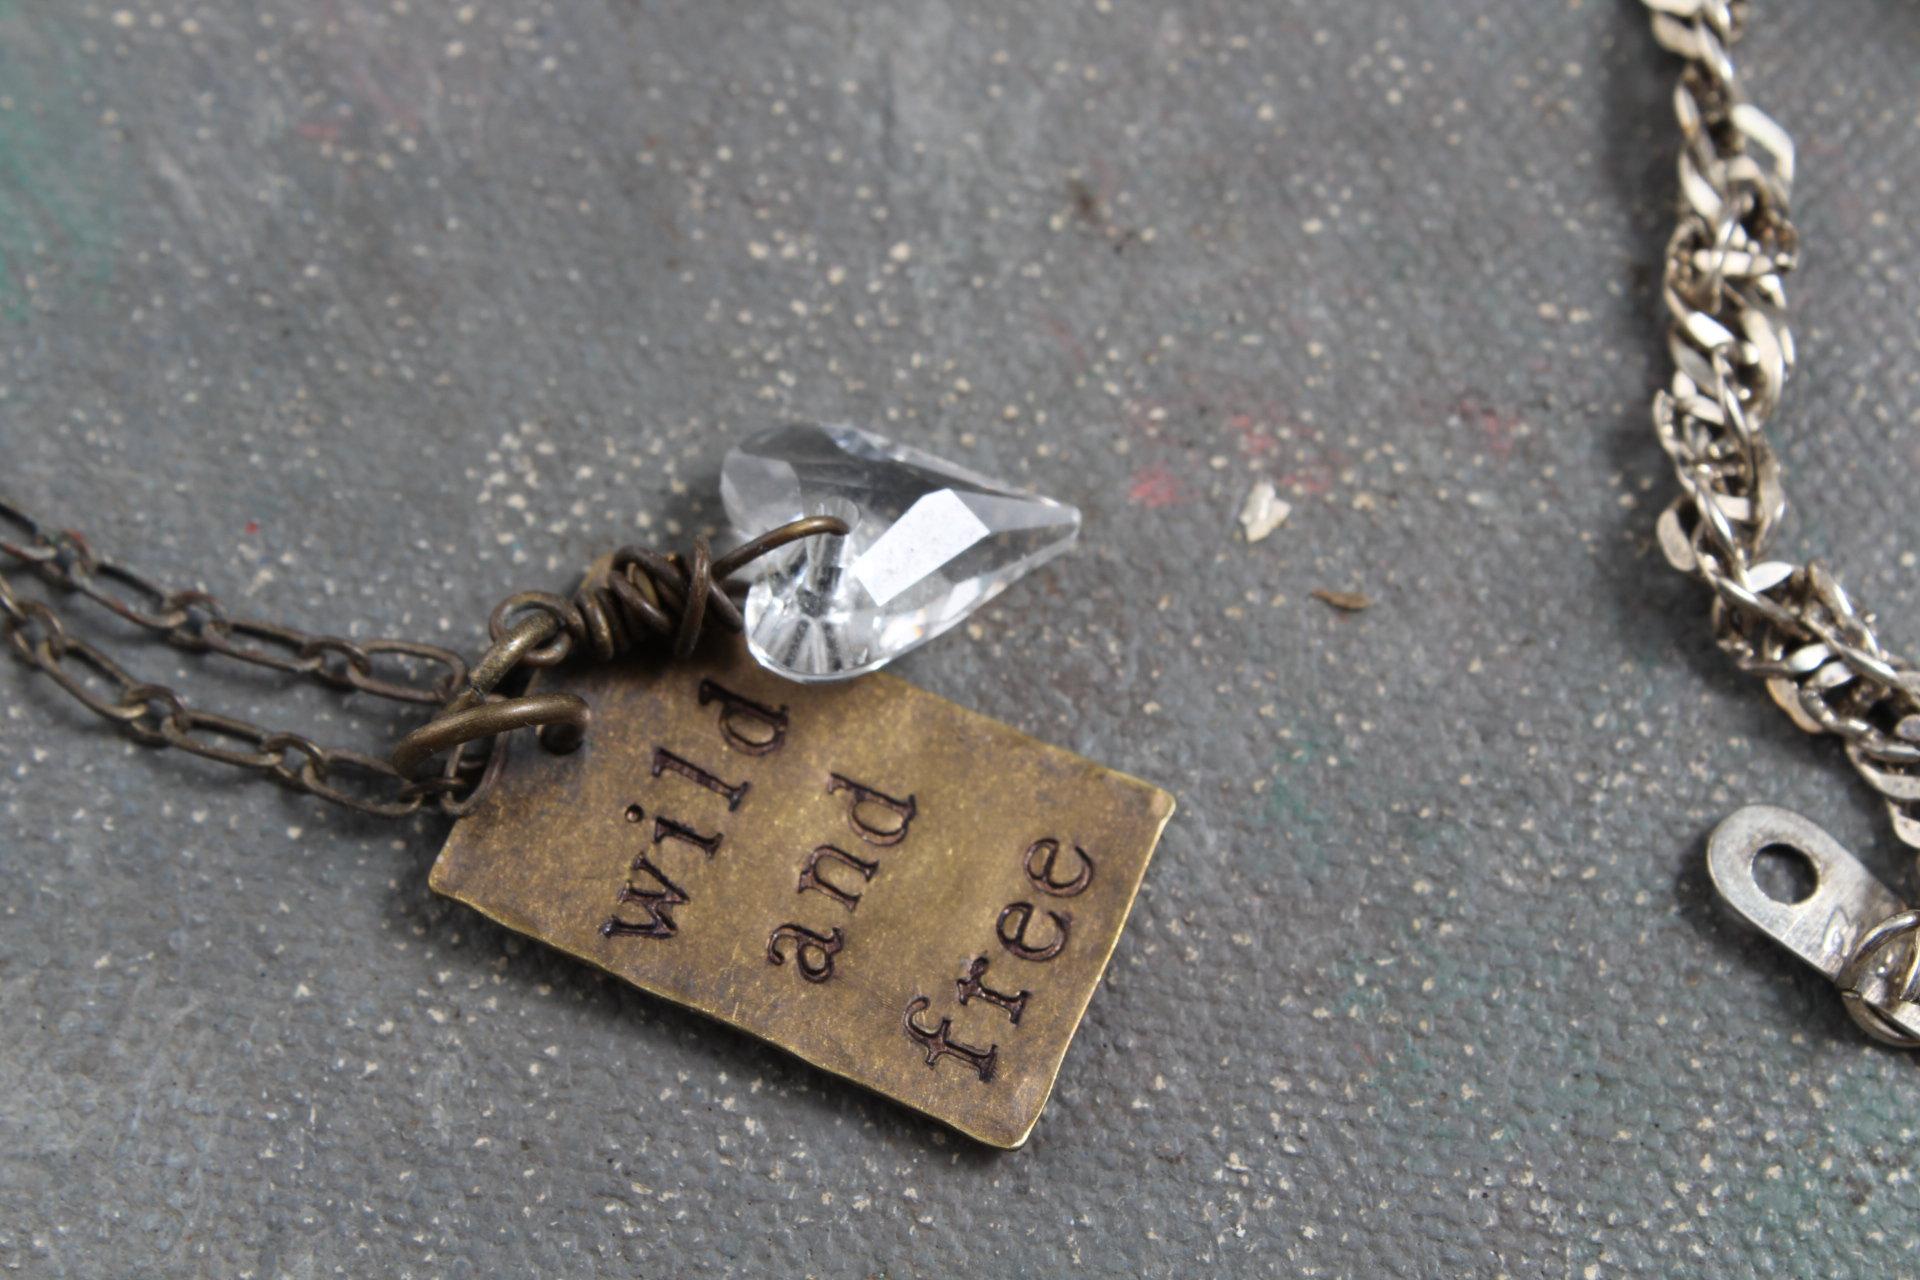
(631, 599)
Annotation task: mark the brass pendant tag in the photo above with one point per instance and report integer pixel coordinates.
(901, 891)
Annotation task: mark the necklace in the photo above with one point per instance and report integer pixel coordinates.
(893, 888)
(1789, 624)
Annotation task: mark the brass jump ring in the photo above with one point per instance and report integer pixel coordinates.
(563, 715)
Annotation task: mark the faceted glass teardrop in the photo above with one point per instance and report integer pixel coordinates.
(929, 543)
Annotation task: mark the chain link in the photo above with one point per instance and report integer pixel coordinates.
(1789, 624)
(631, 598)
(197, 622)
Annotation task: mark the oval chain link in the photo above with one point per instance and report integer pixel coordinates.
(197, 622)
(1789, 624)
(635, 596)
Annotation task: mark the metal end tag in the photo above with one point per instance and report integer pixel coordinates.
(1824, 928)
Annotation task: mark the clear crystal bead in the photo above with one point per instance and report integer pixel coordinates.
(929, 543)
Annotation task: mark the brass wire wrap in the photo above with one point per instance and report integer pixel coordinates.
(632, 598)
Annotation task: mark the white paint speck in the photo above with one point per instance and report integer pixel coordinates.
(1264, 511)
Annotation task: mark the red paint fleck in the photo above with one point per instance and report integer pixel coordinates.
(1154, 487)
(253, 527)
(318, 131)
(1255, 440)
(1311, 480)
(1497, 427)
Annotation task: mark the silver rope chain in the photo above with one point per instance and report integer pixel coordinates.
(1789, 624)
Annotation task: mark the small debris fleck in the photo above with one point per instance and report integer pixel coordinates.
(1345, 601)
(1264, 511)
(1086, 202)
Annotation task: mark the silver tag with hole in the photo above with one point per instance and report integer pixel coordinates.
(1826, 926)
(1837, 927)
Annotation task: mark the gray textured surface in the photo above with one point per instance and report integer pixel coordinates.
(371, 312)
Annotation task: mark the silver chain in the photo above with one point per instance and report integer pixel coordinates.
(1789, 624)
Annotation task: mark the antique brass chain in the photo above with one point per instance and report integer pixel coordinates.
(197, 622)
(1789, 624)
(633, 597)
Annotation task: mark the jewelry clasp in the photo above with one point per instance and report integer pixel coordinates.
(1849, 926)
